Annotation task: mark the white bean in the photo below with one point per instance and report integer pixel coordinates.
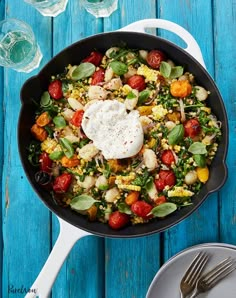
(114, 84)
(112, 194)
(97, 92)
(88, 151)
(68, 114)
(89, 181)
(150, 159)
(191, 177)
(143, 54)
(201, 93)
(75, 104)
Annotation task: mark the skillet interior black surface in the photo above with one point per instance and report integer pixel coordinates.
(35, 86)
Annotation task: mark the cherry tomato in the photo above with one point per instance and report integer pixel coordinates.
(62, 183)
(160, 200)
(142, 209)
(55, 89)
(137, 82)
(167, 157)
(118, 220)
(154, 58)
(192, 128)
(45, 163)
(94, 58)
(76, 120)
(98, 76)
(166, 177)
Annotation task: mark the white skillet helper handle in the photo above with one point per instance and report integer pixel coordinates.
(67, 238)
(68, 233)
(192, 46)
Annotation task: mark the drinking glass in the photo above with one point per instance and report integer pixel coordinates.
(49, 8)
(100, 8)
(18, 47)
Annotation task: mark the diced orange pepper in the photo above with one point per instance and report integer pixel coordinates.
(180, 88)
(39, 133)
(175, 116)
(43, 119)
(92, 213)
(111, 180)
(115, 165)
(132, 197)
(145, 110)
(70, 162)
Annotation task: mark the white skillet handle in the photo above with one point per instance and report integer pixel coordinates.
(67, 237)
(192, 45)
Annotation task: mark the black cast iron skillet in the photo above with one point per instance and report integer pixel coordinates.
(78, 225)
(35, 86)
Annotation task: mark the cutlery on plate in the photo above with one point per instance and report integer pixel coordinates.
(192, 274)
(212, 277)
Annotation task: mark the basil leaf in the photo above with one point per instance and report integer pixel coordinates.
(176, 134)
(131, 95)
(165, 69)
(197, 148)
(45, 99)
(124, 208)
(200, 160)
(164, 209)
(82, 71)
(118, 67)
(82, 202)
(56, 155)
(67, 147)
(149, 183)
(59, 121)
(176, 72)
(143, 96)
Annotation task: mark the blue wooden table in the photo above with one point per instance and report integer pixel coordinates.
(97, 267)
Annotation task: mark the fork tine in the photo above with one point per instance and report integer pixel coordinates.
(223, 265)
(195, 267)
(219, 272)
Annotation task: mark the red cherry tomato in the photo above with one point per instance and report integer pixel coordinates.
(154, 58)
(76, 120)
(142, 209)
(45, 162)
(55, 89)
(98, 76)
(167, 157)
(118, 220)
(94, 58)
(137, 82)
(62, 183)
(192, 128)
(160, 200)
(166, 177)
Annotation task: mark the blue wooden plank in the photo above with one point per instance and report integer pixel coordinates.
(130, 264)
(225, 65)
(83, 272)
(26, 221)
(196, 17)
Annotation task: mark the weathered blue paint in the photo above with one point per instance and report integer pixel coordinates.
(97, 267)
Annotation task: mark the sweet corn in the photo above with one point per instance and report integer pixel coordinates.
(148, 73)
(129, 187)
(203, 174)
(49, 145)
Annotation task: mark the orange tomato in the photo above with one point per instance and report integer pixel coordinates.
(180, 88)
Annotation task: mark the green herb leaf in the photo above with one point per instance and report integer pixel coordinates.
(82, 202)
(124, 208)
(165, 69)
(176, 72)
(164, 209)
(119, 68)
(131, 95)
(197, 148)
(49, 130)
(56, 155)
(67, 147)
(59, 121)
(82, 71)
(176, 134)
(45, 99)
(200, 160)
(143, 96)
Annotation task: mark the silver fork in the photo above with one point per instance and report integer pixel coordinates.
(211, 278)
(192, 274)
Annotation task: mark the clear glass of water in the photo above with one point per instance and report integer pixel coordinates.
(49, 8)
(18, 47)
(100, 8)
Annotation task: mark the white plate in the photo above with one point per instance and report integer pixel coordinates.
(166, 282)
